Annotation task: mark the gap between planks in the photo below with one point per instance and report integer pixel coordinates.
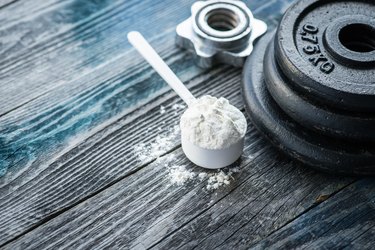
(173, 96)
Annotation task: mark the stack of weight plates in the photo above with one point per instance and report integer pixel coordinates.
(309, 87)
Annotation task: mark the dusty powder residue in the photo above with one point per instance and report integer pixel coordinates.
(162, 143)
(213, 123)
(178, 107)
(162, 109)
(218, 180)
(179, 175)
(202, 176)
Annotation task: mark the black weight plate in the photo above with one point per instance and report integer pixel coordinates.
(327, 49)
(314, 149)
(312, 115)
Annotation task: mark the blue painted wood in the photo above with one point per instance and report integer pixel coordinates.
(111, 88)
(72, 38)
(24, 141)
(100, 160)
(82, 39)
(76, 99)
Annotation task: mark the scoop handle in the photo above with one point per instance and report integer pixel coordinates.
(150, 55)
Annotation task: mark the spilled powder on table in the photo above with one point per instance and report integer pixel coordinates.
(178, 107)
(202, 176)
(162, 109)
(179, 174)
(164, 141)
(218, 180)
(161, 145)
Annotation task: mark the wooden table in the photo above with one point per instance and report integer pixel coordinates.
(76, 104)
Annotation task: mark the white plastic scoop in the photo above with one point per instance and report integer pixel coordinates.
(207, 158)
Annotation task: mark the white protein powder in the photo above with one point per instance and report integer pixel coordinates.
(179, 175)
(213, 123)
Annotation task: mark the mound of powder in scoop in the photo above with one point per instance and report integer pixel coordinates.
(213, 123)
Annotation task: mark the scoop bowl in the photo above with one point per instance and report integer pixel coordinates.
(212, 158)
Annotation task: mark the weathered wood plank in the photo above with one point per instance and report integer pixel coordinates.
(13, 124)
(345, 220)
(46, 124)
(118, 215)
(365, 240)
(144, 209)
(249, 214)
(111, 72)
(69, 39)
(58, 177)
(99, 161)
(17, 11)
(147, 187)
(63, 39)
(6, 3)
(76, 108)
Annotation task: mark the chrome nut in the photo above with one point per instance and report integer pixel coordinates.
(220, 31)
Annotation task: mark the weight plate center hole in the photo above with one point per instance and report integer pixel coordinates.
(222, 19)
(358, 37)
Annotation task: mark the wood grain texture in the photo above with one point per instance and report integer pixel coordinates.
(99, 161)
(44, 125)
(145, 210)
(83, 87)
(77, 99)
(6, 3)
(62, 40)
(347, 220)
(66, 39)
(37, 133)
